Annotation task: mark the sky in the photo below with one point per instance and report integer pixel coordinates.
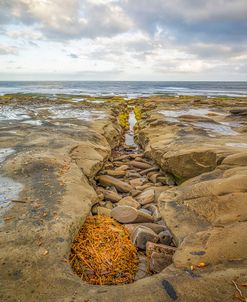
(123, 40)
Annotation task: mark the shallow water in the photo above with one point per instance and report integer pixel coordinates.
(5, 152)
(216, 128)
(238, 145)
(129, 135)
(10, 113)
(62, 112)
(177, 113)
(33, 122)
(9, 190)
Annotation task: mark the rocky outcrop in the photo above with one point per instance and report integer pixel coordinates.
(207, 212)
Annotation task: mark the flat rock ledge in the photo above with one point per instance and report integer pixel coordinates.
(206, 212)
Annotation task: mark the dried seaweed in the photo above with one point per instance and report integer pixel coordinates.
(102, 252)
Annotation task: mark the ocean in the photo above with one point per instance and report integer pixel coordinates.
(128, 89)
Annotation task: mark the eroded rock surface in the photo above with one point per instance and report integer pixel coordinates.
(59, 146)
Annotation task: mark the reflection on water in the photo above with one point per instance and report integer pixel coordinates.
(129, 136)
(10, 113)
(216, 128)
(33, 122)
(4, 152)
(177, 113)
(61, 112)
(237, 145)
(9, 190)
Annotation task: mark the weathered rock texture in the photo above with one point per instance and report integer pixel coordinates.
(204, 151)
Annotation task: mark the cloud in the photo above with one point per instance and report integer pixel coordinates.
(131, 36)
(72, 20)
(73, 56)
(7, 50)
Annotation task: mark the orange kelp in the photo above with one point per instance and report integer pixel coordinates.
(102, 252)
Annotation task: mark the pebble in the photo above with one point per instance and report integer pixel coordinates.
(127, 214)
(153, 226)
(143, 268)
(139, 165)
(122, 168)
(159, 261)
(112, 196)
(129, 201)
(131, 174)
(154, 211)
(159, 248)
(108, 205)
(146, 171)
(143, 187)
(106, 180)
(165, 237)
(104, 211)
(116, 173)
(146, 197)
(134, 193)
(137, 182)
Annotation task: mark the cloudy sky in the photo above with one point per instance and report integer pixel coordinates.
(123, 39)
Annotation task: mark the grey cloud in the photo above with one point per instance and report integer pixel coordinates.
(73, 19)
(212, 20)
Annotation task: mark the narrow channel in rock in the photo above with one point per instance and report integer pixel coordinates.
(124, 238)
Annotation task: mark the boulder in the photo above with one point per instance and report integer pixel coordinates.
(141, 235)
(157, 228)
(185, 164)
(127, 214)
(106, 180)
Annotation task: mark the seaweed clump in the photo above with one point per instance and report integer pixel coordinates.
(102, 252)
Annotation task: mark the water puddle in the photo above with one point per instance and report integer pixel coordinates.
(5, 152)
(177, 113)
(171, 115)
(9, 190)
(10, 113)
(237, 145)
(60, 112)
(33, 122)
(216, 128)
(129, 135)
